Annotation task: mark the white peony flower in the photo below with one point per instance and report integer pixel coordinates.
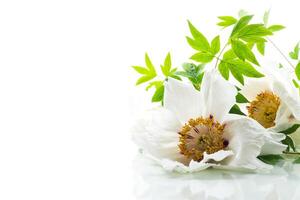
(193, 131)
(274, 101)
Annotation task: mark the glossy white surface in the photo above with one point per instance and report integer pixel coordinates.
(153, 183)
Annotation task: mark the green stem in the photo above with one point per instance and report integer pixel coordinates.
(220, 54)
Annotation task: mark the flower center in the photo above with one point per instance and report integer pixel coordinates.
(201, 135)
(264, 108)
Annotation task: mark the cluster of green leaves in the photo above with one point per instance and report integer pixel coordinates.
(149, 76)
(193, 72)
(205, 51)
(239, 57)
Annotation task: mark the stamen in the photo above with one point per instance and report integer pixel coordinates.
(201, 135)
(264, 108)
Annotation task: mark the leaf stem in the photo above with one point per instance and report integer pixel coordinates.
(218, 57)
(282, 54)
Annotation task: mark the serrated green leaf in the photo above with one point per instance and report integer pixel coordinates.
(224, 70)
(199, 37)
(241, 98)
(140, 69)
(159, 94)
(202, 57)
(271, 159)
(297, 71)
(236, 110)
(243, 52)
(261, 47)
(243, 21)
(215, 45)
(275, 28)
(291, 129)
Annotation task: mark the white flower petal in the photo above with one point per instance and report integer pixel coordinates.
(156, 132)
(218, 95)
(246, 138)
(182, 99)
(254, 86)
(283, 119)
(292, 101)
(217, 156)
(175, 166)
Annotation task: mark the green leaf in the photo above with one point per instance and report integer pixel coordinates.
(229, 55)
(159, 94)
(226, 21)
(280, 66)
(167, 65)
(215, 45)
(288, 141)
(236, 74)
(194, 44)
(224, 70)
(254, 30)
(241, 23)
(144, 79)
(140, 70)
(236, 110)
(291, 129)
(275, 28)
(149, 64)
(241, 98)
(295, 54)
(244, 68)
(297, 161)
(296, 83)
(155, 84)
(193, 72)
(261, 47)
(297, 71)
(243, 52)
(271, 159)
(199, 37)
(202, 57)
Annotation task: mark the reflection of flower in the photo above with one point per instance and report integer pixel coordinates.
(153, 183)
(274, 101)
(194, 130)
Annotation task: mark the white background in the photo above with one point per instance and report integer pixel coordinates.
(67, 93)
